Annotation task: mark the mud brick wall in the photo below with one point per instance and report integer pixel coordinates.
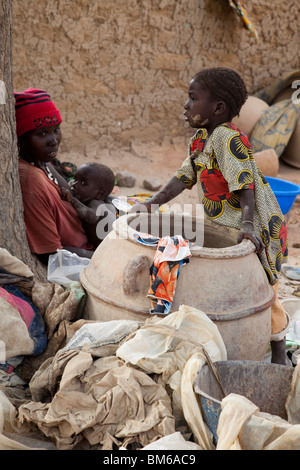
(119, 69)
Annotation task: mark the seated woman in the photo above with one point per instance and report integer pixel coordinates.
(51, 223)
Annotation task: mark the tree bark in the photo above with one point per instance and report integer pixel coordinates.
(12, 227)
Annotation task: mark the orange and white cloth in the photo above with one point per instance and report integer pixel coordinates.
(171, 254)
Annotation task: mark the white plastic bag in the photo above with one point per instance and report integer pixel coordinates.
(173, 441)
(64, 267)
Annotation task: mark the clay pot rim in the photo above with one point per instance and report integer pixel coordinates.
(245, 248)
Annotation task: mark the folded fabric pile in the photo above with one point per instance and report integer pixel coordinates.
(22, 328)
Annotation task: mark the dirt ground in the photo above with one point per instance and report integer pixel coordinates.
(160, 162)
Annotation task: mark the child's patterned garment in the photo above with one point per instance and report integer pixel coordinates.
(223, 164)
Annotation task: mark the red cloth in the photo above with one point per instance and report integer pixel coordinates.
(51, 223)
(34, 109)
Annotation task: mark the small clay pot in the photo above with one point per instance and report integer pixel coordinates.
(250, 113)
(268, 162)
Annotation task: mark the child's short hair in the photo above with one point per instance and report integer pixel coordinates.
(106, 176)
(226, 84)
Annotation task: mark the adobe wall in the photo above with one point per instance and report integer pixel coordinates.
(119, 70)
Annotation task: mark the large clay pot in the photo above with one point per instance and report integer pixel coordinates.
(223, 279)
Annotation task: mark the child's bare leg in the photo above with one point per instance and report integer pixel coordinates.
(280, 326)
(279, 355)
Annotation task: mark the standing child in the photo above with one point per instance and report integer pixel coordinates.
(89, 195)
(231, 187)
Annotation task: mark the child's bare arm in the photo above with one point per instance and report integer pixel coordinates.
(86, 214)
(247, 228)
(172, 189)
(66, 194)
(62, 183)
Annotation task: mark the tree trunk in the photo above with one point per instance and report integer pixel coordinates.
(12, 227)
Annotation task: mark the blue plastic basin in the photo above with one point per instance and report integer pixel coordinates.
(285, 192)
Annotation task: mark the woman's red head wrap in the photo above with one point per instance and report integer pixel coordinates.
(34, 109)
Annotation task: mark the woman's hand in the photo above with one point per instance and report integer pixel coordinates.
(247, 231)
(142, 207)
(66, 194)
